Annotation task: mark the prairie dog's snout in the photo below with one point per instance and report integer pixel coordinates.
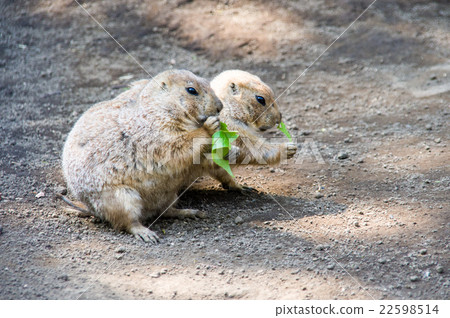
(219, 105)
(215, 112)
(202, 118)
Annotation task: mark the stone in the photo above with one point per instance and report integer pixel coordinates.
(414, 278)
(121, 249)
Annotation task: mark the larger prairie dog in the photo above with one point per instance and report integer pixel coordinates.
(126, 158)
(249, 107)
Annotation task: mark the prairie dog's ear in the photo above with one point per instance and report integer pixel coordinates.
(234, 89)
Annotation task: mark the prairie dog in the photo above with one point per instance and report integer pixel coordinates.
(126, 158)
(249, 107)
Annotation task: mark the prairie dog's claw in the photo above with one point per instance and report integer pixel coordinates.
(239, 188)
(212, 124)
(291, 150)
(145, 234)
(249, 189)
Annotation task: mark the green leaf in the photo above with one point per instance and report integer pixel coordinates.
(220, 140)
(223, 127)
(232, 136)
(283, 129)
(221, 145)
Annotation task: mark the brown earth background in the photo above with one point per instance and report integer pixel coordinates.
(370, 221)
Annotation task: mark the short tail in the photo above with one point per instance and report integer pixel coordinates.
(73, 205)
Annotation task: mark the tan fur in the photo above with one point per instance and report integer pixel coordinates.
(243, 113)
(126, 158)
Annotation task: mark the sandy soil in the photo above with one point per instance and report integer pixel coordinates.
(362, 212)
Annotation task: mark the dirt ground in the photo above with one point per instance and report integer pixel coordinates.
(362, 212)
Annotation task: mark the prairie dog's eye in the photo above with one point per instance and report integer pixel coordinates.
(261, 100)
(192, 91)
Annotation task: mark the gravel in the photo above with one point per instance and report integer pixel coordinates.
(238, 220)
(52, 71)
(343, 155)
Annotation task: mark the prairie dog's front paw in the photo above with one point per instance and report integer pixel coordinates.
(291, 150)
(212, 124)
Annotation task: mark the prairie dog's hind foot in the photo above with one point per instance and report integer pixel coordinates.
(122, 207)
(184, 213)
(143, 233)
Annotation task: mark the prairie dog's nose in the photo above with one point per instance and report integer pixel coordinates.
(219, 105)
(279, 119)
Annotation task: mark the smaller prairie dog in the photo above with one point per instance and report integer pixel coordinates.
(125, 159)
(249, 108)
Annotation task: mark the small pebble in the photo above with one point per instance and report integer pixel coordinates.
(423, 252)
(414, 278)
(342, 155)
(238, 220)
(318, 195)
(64, 277)
(40, 195)
(439, 269)
(356, 224)
(272, 170)
(155, 275)
(382, 260)
(121, 249)
(126, 77)
(429, 127)
(119, 256)
(330, 267)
